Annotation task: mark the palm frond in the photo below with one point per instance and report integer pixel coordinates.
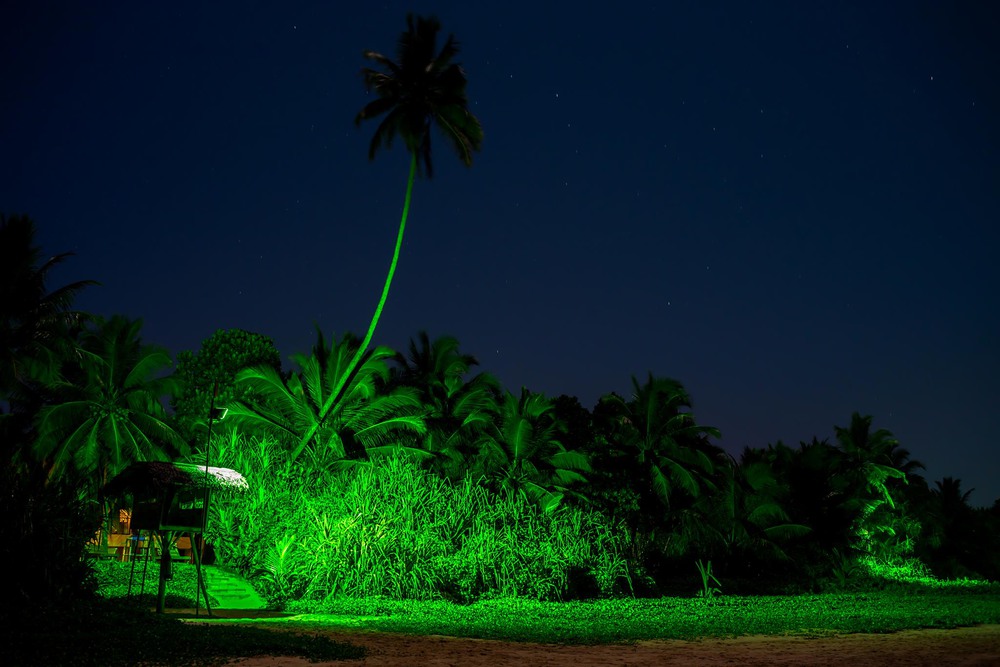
(680, 474)
(786, 531)
(146, 367)
(570, 460)
(565, 477)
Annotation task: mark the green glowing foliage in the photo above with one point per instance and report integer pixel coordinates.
(802, 516)
(458, 413)
(710, 585)
(221, 357)
(107, 412)
(688, 618)
(874, 468)
(390, 528)
(852, 496)
(658, 437)
(523, 451)
(367, 419)
(418, 481)
(873, 459)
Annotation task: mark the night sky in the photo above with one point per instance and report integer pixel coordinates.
(790, 208)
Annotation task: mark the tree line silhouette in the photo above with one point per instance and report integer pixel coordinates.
(84, 396)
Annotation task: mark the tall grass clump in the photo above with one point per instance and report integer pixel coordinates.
(387, 527)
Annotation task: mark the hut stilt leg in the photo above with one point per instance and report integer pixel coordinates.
(161, 591)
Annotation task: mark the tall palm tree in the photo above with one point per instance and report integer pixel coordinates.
(33, 320)
(524, 452)
(874, 468)
(658, 433)
(365, 420)
(949, 492)
(109, 413)
(745, 515)
(873, 458)
(458, 412)
(423, 87)
(818, 494)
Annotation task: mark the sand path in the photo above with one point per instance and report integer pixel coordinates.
(979, 645)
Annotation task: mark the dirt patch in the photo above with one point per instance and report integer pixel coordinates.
(979, 645)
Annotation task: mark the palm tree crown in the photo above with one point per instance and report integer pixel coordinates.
(656, 433)
(109, 413)
(423, 87)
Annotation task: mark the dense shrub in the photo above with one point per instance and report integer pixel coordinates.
(389, 528)
(44, 528)
(213, 366)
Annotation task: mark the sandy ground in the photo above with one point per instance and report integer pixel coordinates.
(979, 645)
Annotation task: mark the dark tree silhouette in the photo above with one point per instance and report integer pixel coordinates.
(458, 412)
(34, 321)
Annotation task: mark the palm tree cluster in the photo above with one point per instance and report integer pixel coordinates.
(84, 396)
(81, 399)
(88, 399)
(644, 462)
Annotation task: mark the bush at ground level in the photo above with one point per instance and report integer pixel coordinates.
(389, 528)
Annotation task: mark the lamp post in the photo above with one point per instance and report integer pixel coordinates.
(214, 414)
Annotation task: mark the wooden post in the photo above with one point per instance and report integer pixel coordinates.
(161, 590)
(202, 586)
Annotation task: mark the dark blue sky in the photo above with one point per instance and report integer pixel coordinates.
(791, 208)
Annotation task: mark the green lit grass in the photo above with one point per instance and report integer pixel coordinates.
(628, 620)
(131, 635)
(396, 530)
(113, 584)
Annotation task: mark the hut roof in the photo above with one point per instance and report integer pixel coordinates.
(154, 477)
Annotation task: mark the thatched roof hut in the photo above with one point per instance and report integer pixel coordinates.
(153, 478)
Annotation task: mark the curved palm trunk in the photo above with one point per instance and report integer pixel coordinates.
(342, 382)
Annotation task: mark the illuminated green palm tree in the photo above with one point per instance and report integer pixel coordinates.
(658, 435)
(366, 420)
(524, 451)
(873, 459)
(458, 412)
(423, 87)
(108, 413)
